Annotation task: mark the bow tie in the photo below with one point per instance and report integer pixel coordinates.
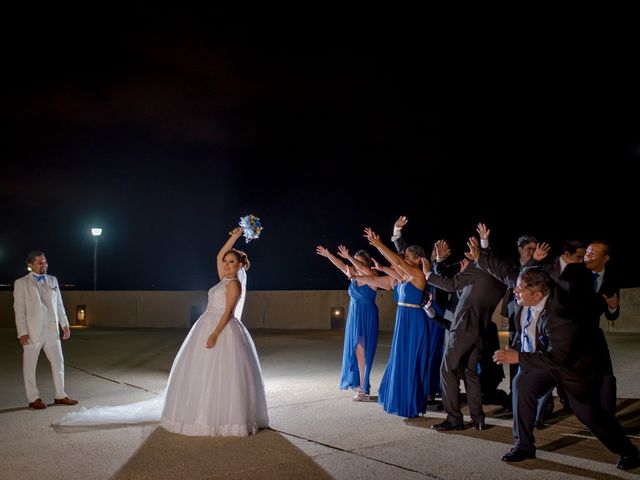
(39, 278)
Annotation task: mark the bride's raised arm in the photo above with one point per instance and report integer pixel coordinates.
(228, 245)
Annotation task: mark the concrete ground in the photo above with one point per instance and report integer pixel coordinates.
(316, 431)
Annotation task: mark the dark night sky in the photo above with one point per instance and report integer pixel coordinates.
(165, 132)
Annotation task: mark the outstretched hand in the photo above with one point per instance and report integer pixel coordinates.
(236, 232)
(483, 231)
(474, 249)
(400, 223)
(442, 250)
(426, 265)
(372, 237)
(343, 252)
(541, 251)
(323, 252)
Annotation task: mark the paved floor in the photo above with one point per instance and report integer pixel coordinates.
(316, 431)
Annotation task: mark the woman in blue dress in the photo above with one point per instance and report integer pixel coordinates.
(404, 389)
(361, 329)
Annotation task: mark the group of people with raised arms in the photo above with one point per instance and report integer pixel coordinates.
(556, 340)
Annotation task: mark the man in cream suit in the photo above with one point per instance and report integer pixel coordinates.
(39, 311)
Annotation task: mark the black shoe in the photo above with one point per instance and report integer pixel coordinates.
(517, 455)
(629, 462)
(539, 424)
(479, 425)
(447, 425)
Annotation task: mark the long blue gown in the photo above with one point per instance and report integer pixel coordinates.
(405, 383)
(362, 326)
(436, 350)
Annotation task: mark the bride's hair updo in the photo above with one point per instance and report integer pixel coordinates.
(240, 256)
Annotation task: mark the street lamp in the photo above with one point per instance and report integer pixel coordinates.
(96, 232)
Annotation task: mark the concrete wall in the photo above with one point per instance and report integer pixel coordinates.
(288, 309)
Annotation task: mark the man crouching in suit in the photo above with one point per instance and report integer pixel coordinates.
(39, 312)
(552, 347)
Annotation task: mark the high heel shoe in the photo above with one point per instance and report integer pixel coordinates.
(358, 397)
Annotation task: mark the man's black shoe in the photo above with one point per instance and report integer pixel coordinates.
(447, 425)
(517, 455)
(629, 462)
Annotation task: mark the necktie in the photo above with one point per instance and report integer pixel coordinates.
(527, 344)
(39, 278)
(596, 276)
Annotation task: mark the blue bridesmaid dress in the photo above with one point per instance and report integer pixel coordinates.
(405, 384)
(361, 327)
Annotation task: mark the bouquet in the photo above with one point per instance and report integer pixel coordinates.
(251, 226)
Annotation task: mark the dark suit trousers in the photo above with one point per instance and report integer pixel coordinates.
(513, 368)
(461, 353)
(531, 385)
(608, 390)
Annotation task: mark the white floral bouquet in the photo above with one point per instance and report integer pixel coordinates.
(251, 226)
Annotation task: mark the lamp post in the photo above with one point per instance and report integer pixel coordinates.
(96, 232)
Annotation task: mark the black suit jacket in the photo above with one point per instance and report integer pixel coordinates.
(479, 294)
(610, 286)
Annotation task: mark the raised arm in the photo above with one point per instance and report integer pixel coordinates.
(234, 235)
(396, 260)
(506, 272)
(323, 252)
(385, 282)
(387, 270)
(361, 267)
(441, 251)
(397, 238)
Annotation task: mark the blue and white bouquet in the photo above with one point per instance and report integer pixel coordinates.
(251, 226)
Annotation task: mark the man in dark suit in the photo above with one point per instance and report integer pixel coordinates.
(606, 301)
(569, 273)
(479, 294)
(551, 347)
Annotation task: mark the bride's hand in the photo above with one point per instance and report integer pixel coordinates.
(211, 341)
(236, 232)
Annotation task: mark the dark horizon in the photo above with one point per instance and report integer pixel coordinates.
(164, 138)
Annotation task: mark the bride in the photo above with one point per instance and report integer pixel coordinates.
(215, 386)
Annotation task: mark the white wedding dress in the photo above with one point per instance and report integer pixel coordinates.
(211, 391)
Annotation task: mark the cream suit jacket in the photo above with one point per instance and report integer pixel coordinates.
(37, 309)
